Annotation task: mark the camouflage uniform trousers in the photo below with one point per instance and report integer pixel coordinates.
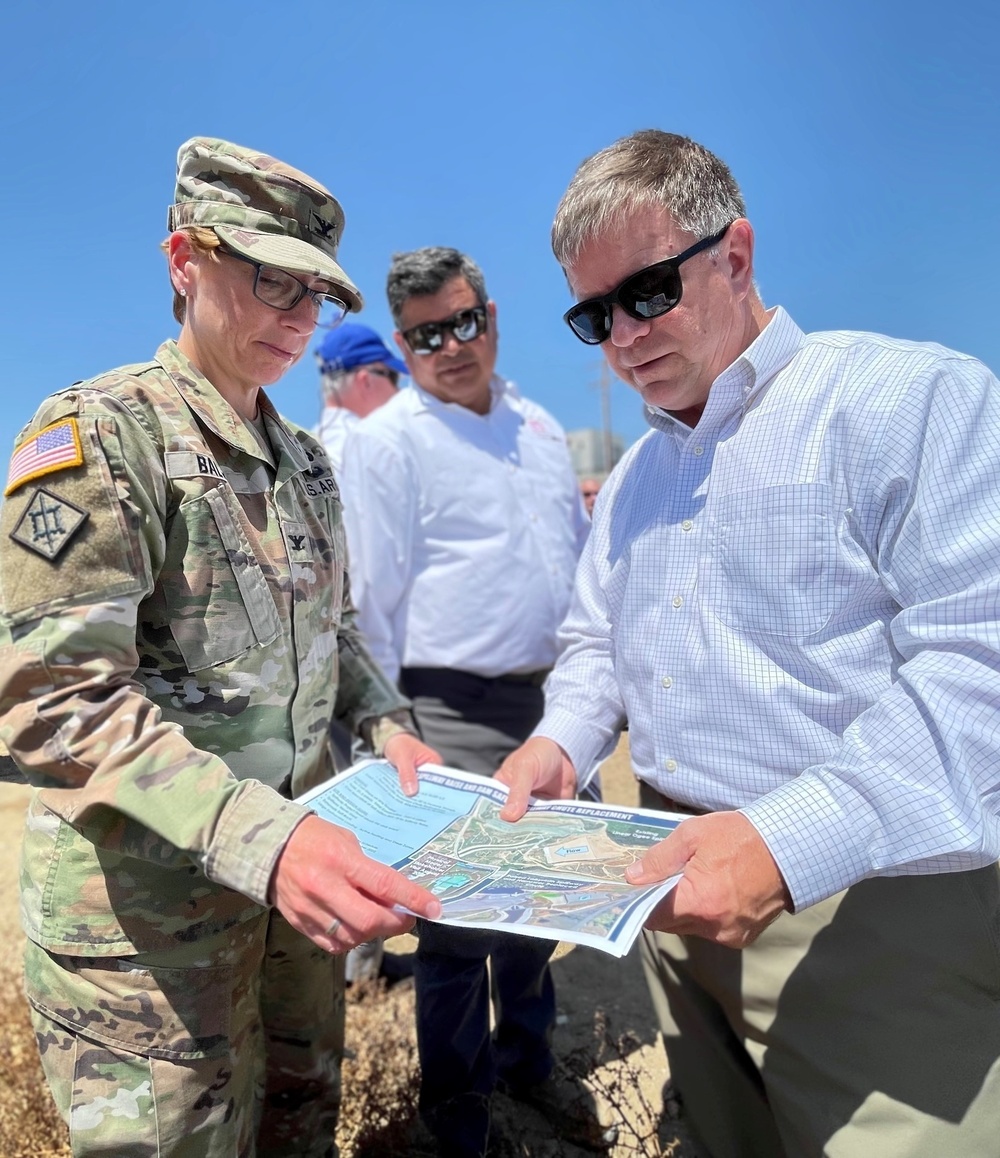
(225, 1046)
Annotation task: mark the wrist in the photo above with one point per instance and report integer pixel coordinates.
(377, 731)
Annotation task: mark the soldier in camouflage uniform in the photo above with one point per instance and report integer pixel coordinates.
(177, 637)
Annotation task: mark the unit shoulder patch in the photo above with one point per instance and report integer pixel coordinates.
(56, 447)
(48, 524)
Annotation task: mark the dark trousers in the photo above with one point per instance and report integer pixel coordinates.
(475, 723)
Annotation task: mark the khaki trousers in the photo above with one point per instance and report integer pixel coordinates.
(867, 1026)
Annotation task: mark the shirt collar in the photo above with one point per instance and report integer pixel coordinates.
(744, 379)
(332, 417)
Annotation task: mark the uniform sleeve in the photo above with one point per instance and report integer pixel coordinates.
(80, 548)
(382, 500)
(915, 786)
(368, 703)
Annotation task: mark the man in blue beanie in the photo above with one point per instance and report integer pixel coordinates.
(358, 375)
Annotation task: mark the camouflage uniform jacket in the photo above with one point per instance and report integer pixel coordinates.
(175, 621)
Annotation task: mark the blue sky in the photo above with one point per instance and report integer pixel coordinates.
(864, 135)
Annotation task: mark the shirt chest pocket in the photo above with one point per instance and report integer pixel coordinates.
(772, 567)
(219, 600)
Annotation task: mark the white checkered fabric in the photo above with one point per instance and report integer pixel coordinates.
(795, 606)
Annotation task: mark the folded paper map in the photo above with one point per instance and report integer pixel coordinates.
(558, 873)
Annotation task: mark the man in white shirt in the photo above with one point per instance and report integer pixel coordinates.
(358, 374)
(791, 592)
(463, 570)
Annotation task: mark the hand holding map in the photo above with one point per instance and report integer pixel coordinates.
(558, 873)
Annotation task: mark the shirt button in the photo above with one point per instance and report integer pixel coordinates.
(667, 682)
(670, 765)
(534, 518)
(686, 525)
(677, 601)
(699, 450)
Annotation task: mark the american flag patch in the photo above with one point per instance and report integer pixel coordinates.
(54, 448)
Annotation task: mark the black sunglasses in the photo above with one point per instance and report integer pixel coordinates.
(649, 293)
(382, 372)
(429, 337)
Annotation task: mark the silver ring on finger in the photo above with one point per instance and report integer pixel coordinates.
(334, 926)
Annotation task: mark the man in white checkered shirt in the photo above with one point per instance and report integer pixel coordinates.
(791, 593)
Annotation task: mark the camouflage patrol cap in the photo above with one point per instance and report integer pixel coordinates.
(262, 209)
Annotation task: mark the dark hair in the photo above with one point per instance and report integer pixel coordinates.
(424, 271)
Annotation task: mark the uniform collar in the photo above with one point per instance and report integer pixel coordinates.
(216, 413)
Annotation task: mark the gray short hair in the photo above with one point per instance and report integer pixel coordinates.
(333, 383)
(424, 271)
(648, 168)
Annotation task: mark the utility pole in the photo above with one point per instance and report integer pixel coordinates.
(604, 385)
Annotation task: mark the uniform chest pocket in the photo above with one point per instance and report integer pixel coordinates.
(219, 601)
(772, 567)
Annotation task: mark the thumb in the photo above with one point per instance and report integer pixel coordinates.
(664, 859)
(517, 801)
(405, 752)
(409, 782)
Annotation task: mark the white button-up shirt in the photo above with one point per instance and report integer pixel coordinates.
(795, 605)
(335, 424)
(464, 532)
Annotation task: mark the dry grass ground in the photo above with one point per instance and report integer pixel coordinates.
(29, 1126)
(606, 1037)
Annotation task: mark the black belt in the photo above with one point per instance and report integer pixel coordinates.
(651, 797)
(533, 679)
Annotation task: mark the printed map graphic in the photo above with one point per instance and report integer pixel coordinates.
(559, 872)
(555, 871)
